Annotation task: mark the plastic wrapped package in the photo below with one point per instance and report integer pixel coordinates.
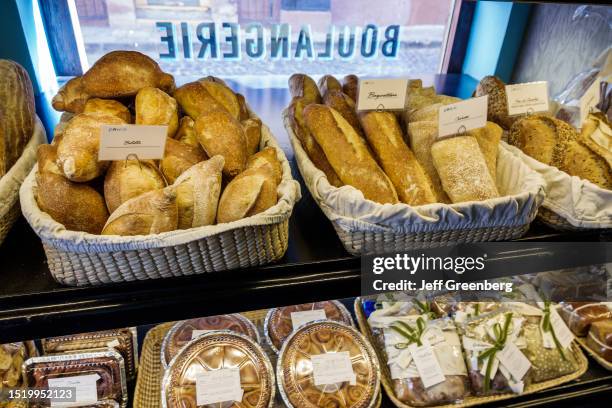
(184, 331)
(584, 283)
(124, 341)
(100, 376)
(12, 356)
(580, 315)
(599, 339)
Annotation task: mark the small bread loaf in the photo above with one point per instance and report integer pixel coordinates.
(127, 179)
(422, 136)
(310, 145)
(497, 103)
(251, 192)
(197, 193)
(108, 106)
(488, 139)
(267, 157)
(149, 213)
(223, 95)
(186, 134)
(71, 97)
(345, 106)
(244, 110)
(329, 83)
(348, 154)
(78, 207)
(397, 160)
(178, 157)
(580, 161)
(77, 151)
(596, 134)
(350, 86)
(252, 132)
(301, 85)
(219, 133)
(542, 137)
(155, 107)
(463, 169)
(46, 157)
(195, 100)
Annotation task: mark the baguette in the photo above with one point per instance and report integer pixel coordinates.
(155, 107)
(488, 139)
(310, 145)
(178, 157)
(329, 83)
(348, 154)
(303, 86)
(463, 169)
(350, 86)
(108, 106)
(345, 106)
(127, 179)
(408, 177)
(252, 133)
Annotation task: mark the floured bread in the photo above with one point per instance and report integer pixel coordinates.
(488, 139)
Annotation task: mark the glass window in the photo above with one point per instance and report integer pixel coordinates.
(312, 5)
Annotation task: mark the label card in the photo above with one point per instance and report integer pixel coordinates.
(514, 361)
(113, 343)
(529, 97)
(333, 368)
(198, 333)
(589, 100)
(385, 94)
(118, 142)
(216, 386)
(462, 116)
(427, 364)
(300, 318)
(563, 333)
(86, 390)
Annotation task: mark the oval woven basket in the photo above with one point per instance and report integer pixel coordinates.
(78, 258)
(12, 180)
(366, 227)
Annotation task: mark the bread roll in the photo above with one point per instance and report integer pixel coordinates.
(252, 133)
(348, 154)
(422, 136)
(71, 97)
(186, 134)
(267, 157)
(46, 157)
(77, 151)
(488, 139)
(397, 160)
(127, 179)
(108, 106)
(223, 95)
(77, 206)
(197, 193)
(580, 161)
(497, 103)
(124, 73)
(178, 157)
(17, 113)
(310, 145)
(345, 106)
(301, 85)
(463, 169)
(155, 107)
(541, 137)
(195, 100)
(149, 213)
(350, 86)
(211, 78)
(251, 192)
(244, 110)
(219, 133)
(329, 83)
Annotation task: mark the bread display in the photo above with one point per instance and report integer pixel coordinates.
(109, 107)
(178, 157)
(129, 179)
(385, 136)
(350, 86)
(345, 106)
(303, 86)
(155, 107)
(328, 83)
(348, 154)
(497, 102)
(17, 113)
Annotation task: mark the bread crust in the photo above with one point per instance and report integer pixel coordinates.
(155, 107)
(497, 109)
(344, 105)
(303, 86)
(71, 97)
(224, 96)
(251, 192)
(267, 157)
(350, 86)
(252, 132)
(329, 83)
(178, 157)
(108, 106)
(127, 179)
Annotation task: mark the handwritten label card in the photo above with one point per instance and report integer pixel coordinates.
(514, 361)
(333, 368)
(385, 94)
(462, 116)
(300, 318)
(117, 142)
(427, 364)
(217, 386)
(529, 97)
(86, 390)
(589, 100)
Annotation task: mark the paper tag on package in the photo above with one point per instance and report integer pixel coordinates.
(462, 116)
(198, 333)
(427, 364)
(85, 389)
(333, 368)
(589, 100)
(120, 142)
(300, 318)
(382, 94)
(529, 97)
(514, 361)
(217, 386)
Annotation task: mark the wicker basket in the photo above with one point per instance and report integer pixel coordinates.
(78, 258)
(11, 181)
(602, 362)
(367, 227)
(469, 401)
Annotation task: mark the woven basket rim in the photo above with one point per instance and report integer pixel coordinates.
(602, 362)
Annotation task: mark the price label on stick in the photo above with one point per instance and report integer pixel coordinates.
(589, 100)
(118, 142)
(529, 97)
(382, 94)
(462, 116)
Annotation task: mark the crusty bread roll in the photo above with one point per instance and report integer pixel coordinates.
(542, 137)
(195, 99)
(310, 145)
(385, 137)
(348, 154)
(301, 85)
(77, 151)
(186, 134)
(329, 83)
(71, 97)
(580, 161)
(220, 133)
(155, 107)
(197, 193)
(463, 169)
(46, 157)
(211, 78)
(252, 133)
(149, 213)
(178, 157)
(422, 136)
(108, 106)
(251, 192)
(497, 103)
(350, 86)
(488, 139)
(127, 179)
(77, 206)
(224, 95)
(124, 73)
(244, 110)
(596, 134)
(267, 157)
(344, 105)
